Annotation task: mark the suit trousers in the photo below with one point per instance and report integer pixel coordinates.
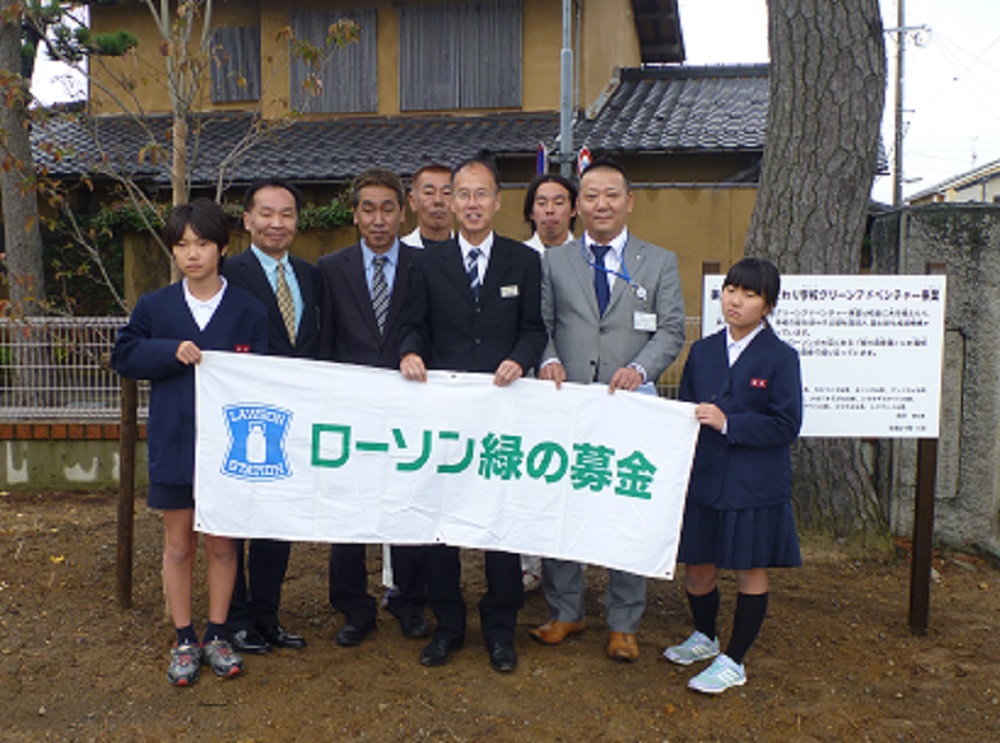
(498, 608)
(349, 583)
(624, 600)
(257, 593)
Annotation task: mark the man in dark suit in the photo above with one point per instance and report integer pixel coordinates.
(474, 305)
(290, 289)
(364, 287)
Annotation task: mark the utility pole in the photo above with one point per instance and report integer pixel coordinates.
(921, 35)
(897, 167)
(566, 157)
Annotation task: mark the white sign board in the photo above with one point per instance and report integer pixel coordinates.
(315, 451)
(871, 349)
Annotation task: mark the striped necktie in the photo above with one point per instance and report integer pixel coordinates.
(286, 305)
(472, 270)
(380, 293)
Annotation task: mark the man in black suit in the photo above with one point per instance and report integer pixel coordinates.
(474, 305)
(290, 289)
(364, 287)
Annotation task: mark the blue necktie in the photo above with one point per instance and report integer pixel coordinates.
(473, 272)
(601, 287)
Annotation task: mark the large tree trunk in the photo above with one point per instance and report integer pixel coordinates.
(23, 241)
(827, 88)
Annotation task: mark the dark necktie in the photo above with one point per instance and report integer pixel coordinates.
(472, 270)
(286, 305)
(601, 277)
(380, 292)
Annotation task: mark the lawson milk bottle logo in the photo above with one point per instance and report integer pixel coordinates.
(256, 442)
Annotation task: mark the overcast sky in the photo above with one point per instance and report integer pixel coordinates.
(952, 83)
(951, 87)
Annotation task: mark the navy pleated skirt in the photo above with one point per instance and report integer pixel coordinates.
(740, 540)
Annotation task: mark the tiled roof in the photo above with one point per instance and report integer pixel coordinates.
(674, 109)
(651, 110)
(304, 151)
(658, 24)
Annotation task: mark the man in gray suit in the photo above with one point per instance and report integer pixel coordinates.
(613, 308)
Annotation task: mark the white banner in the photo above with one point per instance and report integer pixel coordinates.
(871, 347)
(315, 451)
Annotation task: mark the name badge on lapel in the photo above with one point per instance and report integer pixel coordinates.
(644, 321)
(758, 384)
(509, 292)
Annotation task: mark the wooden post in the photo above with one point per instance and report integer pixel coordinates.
(128, 433)
(923, 522)
(923, 536)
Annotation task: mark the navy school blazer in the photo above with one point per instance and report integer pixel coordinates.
(146, 348)
(761, 395)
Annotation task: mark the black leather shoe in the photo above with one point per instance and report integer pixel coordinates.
(414, 626)
(352, 634)
(279, 637)
(249, 641)
(438, 651)
(503, 657)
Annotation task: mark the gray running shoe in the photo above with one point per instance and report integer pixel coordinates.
(222, 659)
(185, 665)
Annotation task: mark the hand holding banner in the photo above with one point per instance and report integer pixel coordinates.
(314, 451)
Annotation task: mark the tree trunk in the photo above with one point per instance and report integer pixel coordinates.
(827, 90)
(23, 240)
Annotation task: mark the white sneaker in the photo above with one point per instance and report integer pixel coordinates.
(697, 647)
(724, 673)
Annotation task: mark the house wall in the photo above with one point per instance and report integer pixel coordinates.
(609, 40)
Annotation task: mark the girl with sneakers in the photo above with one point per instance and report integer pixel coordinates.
(738, 515)
(162, 342)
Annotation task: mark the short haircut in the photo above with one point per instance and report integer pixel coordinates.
(434, 167)
(257, 185)
(757, 275)
(483, 159)
(606, 162)
(537, 181)
(376, 177)
(205, 218)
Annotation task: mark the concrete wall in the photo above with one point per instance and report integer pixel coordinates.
(65, 464)
(965, 239)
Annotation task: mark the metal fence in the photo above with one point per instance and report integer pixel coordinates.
(670, 382)
(55, 368)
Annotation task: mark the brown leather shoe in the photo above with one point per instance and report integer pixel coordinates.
(554, 632)
(623, 647)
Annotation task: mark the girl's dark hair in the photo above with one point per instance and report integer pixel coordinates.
(757, 275)
(205, 218)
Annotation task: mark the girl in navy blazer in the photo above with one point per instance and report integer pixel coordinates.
(162, 342)
(747, 386)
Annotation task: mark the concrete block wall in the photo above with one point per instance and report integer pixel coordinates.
(65, 456)
(964, 239)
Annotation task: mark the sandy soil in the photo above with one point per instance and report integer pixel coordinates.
(835, 661)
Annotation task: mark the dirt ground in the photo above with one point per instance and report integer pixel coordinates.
(836, 660)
